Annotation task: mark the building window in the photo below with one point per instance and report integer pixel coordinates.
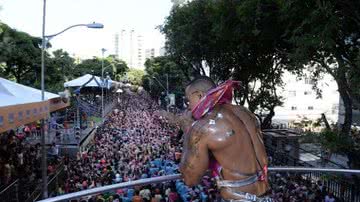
(11, 118)
(41, 110)
(293, 108)
(27, 114)
(307, 92)
(309, 81)
(35, 112)
(292, 93)
(1, 120)
(310, 108)
(20, 116)
(46, 108)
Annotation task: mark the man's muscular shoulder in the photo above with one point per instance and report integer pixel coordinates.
(244, 114)
(216, 129)
(199, 127)
(202, 129)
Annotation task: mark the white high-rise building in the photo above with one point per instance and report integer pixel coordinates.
(150, 53)
(132, 49)
(301, 101)
(140, 59)
(116, 45)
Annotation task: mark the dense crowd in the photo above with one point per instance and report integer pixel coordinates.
(20, 160)
(134, 143)
(296, 188)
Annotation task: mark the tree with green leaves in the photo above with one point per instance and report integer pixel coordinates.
(113, 66)
(159, 69)
(19, 54)
(326, 37)
(134, 76)
(64, 63)
(240, 40)
(187, 31)
(59, 69)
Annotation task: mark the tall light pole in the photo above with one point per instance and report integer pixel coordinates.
(45, 39)
(167, 89)
(102, 84)
(167, 84)
(167, 92)
(43, 149)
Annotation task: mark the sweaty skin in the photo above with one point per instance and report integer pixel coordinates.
(225, 134)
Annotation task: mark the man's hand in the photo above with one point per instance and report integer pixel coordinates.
(184, 121)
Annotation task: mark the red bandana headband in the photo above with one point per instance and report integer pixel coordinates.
(222, 94)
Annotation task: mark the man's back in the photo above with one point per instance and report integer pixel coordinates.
(235, 142)
(224, 138)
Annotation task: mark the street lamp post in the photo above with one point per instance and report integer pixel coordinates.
(45, 39)
(106, 79)
(167, 92)
(102, 84)
(167, 89)
(43, 149)
(167, 84)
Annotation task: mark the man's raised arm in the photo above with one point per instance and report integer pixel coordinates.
(184, 120)
(195, 158)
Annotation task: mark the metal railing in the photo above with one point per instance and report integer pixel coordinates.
(167, 178)
(29, 191)
(10, 193)
(53, 183)
(342, 186)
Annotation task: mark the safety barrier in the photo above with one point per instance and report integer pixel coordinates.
(167, 178)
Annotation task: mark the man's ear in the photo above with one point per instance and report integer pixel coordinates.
(200, 94)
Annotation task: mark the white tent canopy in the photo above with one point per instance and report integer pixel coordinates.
(88, 79)
(12, 93)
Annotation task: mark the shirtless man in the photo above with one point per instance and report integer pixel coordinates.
(228, 137)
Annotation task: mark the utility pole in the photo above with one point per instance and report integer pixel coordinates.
(43, 145)
(167, 92)
(102, 84)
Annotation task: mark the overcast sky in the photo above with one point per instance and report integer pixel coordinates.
(140, 15)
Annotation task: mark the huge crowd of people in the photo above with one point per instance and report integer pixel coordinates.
(21, 161)
(135, 142)
(297, 188)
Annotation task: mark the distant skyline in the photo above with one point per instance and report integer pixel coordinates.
(141, 15)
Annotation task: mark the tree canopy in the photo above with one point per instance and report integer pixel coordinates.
(326, 39)
(240, 40)
(134, 76)
(255, 41)
(158, 71)
(20, 61)
(114, 67)
(20, 54)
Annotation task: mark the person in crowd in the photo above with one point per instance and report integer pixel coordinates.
(136, 142)
(137, 197)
